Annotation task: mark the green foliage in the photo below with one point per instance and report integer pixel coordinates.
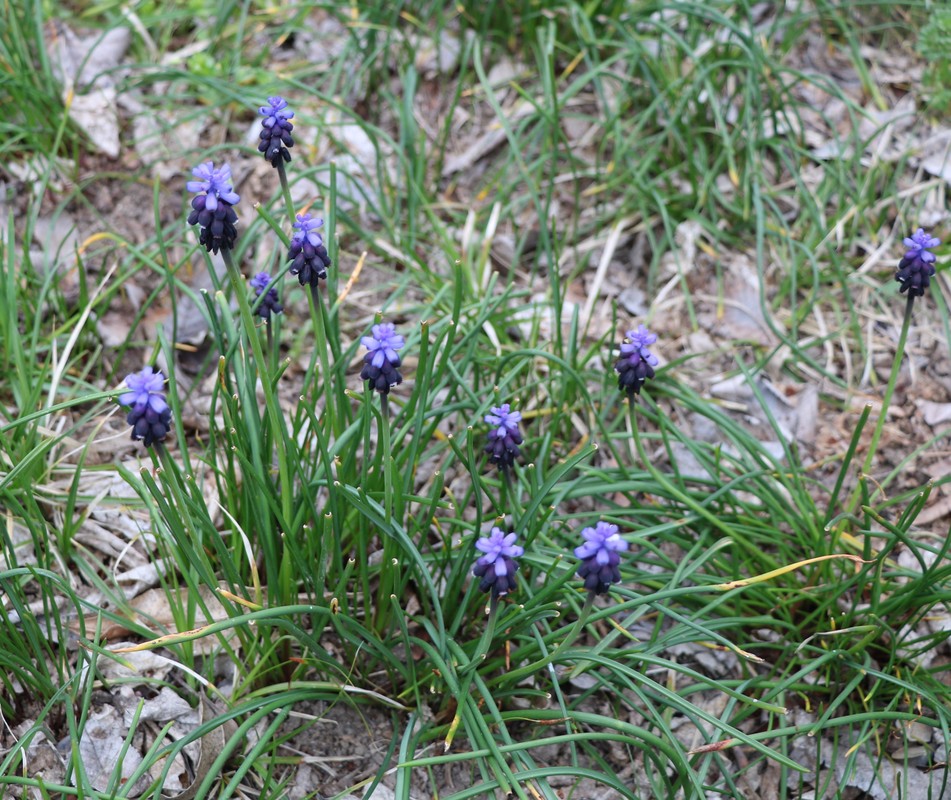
(934, 44)
(338, 546)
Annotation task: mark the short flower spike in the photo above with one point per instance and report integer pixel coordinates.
(916, 269)
(496, 569)
(307, 251)
(504, 438)
(636, 364)
(599, 557)
(276, 131)
(212, 209)
(150, 417)
(381, 362)
(271, 304)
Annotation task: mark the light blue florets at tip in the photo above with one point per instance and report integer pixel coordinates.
(600, 559)
(276, 108)
(504, 420)
(146, 389)
(496, 569)
(918, 244)
(306, 230)
(215, 182)
(383, 345)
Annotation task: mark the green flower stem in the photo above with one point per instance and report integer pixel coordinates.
(286, 191)
(387, 454)
(886, 401)
(273, 410)
(387, 575)
(511, 500)
(320, 332)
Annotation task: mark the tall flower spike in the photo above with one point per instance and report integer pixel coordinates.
(916, 269)
(636, 363)
(599, 557)
(150, 417)
(212, 209)
(382, 362)
(504, 438)
(496, 569)
(276, 131)
(307, 251)
(271, 304)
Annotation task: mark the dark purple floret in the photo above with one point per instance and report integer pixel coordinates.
(600, 557)
(307, 251)
(916, 269)
(382, 362)
(276, 131)
(150, 417)
(504, 438)
(212, 209)
(271, 304)
(636, 363)
(496, 569)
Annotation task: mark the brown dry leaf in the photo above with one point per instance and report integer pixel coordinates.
(83, 65)
(102, 747)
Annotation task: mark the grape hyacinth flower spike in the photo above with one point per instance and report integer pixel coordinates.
(271, 304)
(600, 557)
(496, 569)
(276, 131)
(916, 269)
(504, 438)
(636, 364)
(213, 208)
(150, 415)
(307, 252)
(381, 367)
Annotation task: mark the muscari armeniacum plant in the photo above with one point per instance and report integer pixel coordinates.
(267, 302)
(915, 270)
(599, 569)
(271, 302)
(213, 207)
(504, 436)
(382, 361)
(275, 139)
(600, 557)
(502, 448)
(381, 372)
(636, 364)
(307, 253)
(496, 568)
(149, 413)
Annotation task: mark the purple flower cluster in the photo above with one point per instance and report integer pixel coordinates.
(496, 569)
(276, 130)
(307, 254)
(381, 362)
(150, 415)
(636, 363)
(917, 267)
(271, 304)
(504, 438)
(212, 209)
(600, 557)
